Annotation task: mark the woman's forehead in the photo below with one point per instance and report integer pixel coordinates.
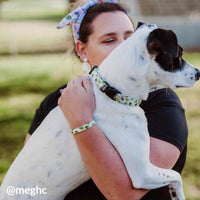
(111, 22)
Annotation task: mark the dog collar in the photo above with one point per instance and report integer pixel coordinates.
(110, 91)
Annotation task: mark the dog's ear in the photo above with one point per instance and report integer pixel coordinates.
(162, 41)
(163, 46)
(139, 24)
(154, 47)
(180, 50)
(154, 43)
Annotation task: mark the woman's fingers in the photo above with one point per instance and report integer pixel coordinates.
(87, 84)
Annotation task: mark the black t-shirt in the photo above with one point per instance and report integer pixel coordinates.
(166, 121)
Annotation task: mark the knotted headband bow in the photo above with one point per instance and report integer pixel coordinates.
(75, 17)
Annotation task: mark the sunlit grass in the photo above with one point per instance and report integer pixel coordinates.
(32, 10)
(24, 81)
(32, 37)
(35, 73)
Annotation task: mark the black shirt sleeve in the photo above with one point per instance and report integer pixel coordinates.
(166, 117)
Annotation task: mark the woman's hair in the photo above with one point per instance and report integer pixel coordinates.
(86, 28)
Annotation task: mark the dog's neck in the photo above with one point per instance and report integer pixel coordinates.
(110, 91)
(126, 66)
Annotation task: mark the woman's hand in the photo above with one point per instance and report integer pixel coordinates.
(77, 101)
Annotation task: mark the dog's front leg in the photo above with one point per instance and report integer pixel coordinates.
(155, 177)
(132, 141)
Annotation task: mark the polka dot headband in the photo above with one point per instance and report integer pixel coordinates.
(75, 17)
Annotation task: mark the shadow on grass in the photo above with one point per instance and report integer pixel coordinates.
(33, 84)
(11, 139)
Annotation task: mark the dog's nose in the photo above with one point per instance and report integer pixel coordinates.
(197, 74)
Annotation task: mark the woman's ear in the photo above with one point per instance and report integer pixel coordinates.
(80, 49)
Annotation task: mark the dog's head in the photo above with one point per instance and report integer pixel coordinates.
(168, 68)
(150, 59)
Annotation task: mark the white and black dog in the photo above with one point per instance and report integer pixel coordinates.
(150, 59)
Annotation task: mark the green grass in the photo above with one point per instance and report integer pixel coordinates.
(32, 73)
(190, 100)
(55, 15)
(24, 82)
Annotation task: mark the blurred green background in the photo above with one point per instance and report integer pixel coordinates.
(34, 62)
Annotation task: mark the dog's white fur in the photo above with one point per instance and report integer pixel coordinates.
(51, 159)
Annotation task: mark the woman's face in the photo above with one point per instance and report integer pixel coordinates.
(109, 30)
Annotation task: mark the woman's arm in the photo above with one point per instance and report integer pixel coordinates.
(101, 159)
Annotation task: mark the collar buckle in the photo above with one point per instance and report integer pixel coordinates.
(110, 91)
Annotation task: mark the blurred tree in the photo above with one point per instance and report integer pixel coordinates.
(1, 1)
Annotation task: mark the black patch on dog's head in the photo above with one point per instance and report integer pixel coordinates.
(164, 45)
(139, 24)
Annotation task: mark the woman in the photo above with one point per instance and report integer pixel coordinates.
(98, 28)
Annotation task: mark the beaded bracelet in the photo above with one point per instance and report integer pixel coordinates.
(84, 127)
